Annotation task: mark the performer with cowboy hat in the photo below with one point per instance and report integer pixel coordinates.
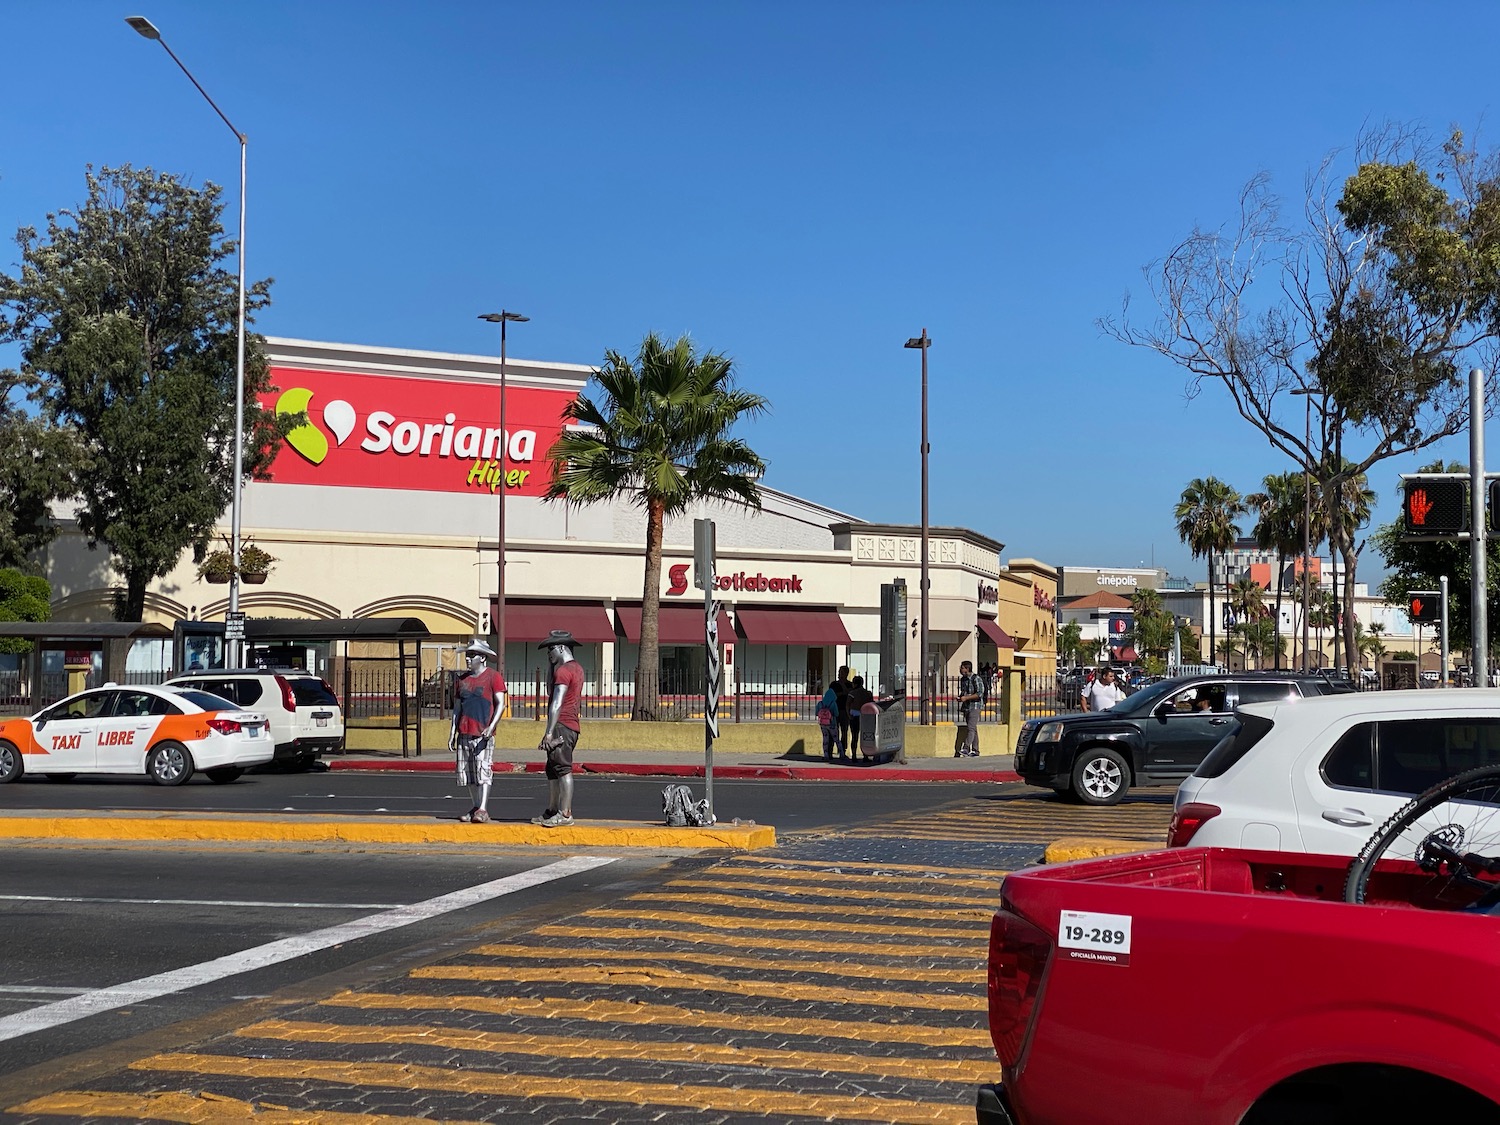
(561, 735)
(478, 703)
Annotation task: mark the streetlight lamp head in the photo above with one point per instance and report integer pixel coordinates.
(918, 342)
(143, 26)
(499, 317)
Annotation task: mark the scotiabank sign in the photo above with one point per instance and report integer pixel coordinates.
(740, 580)
(369, 431)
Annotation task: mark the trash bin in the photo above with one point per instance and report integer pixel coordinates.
(882, 729)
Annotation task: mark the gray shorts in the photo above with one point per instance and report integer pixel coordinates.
(476, 759)
(560, 757)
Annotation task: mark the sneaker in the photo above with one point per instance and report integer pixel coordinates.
(557, 820)
(546, 816)
(479, 816)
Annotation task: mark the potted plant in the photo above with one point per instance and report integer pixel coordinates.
(218, 566)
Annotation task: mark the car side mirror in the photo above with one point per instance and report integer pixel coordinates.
(1163, 709)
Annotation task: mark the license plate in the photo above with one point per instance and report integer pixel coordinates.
(322, 722)
(253, 731)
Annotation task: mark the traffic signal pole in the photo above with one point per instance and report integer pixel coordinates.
(1443, 601)
(1478, 601)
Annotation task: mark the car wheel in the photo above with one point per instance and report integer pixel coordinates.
(10, 762)
(169, 763)
(1100, 777)
(223, 775)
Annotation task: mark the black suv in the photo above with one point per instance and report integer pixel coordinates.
(1155, 737)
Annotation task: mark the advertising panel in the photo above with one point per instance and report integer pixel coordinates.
(369, 431)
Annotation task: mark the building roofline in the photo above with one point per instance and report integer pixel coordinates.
(856, 527)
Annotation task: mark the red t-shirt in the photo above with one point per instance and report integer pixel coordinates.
(474, 700)
(570, 675)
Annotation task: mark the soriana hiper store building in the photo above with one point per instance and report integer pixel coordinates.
(386, 503)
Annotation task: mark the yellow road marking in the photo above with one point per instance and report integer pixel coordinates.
(988, 900)
(693, 921)
(846, 877)
(796, 962)
(195, 1109)
(971, 1071)
(724, 1099)
(975, 952)
(613, 1011)
(654, 977)
(747, 902)
(877, 870)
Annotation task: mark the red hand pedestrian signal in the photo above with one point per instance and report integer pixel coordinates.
(1417, 507)
(1424, 608)
(1434, 506)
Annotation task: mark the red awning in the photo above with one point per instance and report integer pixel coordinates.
(532, 621)
(991, 629)
(793, 627)
(676, 625)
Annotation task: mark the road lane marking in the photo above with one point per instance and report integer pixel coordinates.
(845, 878)
(861, 869)
(206, 902)
(41, 990)
(198, 1109)
(651, 976)
(971, 953)
(807, 893)
(972, 1071)
(797, 963)
(692, 921)
(900, 1030)
(740, 1100)
(800, 906)
(286, 949)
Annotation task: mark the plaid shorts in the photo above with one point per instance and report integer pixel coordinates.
(476, 759)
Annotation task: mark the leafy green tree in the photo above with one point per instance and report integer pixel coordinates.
(1374, 305)
(1070, 642)
(38, 463)
(660, 436)
(1205, 517)
(23, 597)
(126, 317)
(1152, 632)
(1261, 639)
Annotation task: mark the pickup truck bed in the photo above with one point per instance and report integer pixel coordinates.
(1217, 986)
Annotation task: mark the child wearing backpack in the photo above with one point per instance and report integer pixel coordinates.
(828, 722)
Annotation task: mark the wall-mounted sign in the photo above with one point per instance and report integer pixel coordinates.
(989, 595)
(1041, 599)
(371, 431)
(677, 576)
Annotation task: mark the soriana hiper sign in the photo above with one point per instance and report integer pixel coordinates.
(372, 431)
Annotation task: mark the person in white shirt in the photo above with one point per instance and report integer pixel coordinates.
(1103, 693)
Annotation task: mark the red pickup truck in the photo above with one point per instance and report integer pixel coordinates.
(1214, 986)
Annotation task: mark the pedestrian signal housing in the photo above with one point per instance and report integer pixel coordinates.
(1423, 606)
(1435, 507)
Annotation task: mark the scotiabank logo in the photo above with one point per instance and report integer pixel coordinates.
(429, 434)
(678, 576)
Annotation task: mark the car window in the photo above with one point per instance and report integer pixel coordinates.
(1242, 736)
(1212, 696)
(1414, 754)
(1263, 691)
(88, 706)
(312, 692)
(207, 700)
(143, 703)
(1351, 762)
(241, 692)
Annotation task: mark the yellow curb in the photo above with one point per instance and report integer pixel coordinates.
(1070, 848)
(372, 830)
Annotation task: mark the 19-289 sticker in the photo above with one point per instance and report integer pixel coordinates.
(1086, 936)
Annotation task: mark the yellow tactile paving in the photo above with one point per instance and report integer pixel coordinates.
(617, 1012)
(722, 1099)
(856, 970)
(196, 1109)
(976, 952)
(943, 1070)
(656, 977)
(781, 925)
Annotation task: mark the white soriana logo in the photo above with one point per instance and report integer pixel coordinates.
(452, 440)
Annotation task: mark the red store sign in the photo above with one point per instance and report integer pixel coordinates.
(741, 580)
(371, 431)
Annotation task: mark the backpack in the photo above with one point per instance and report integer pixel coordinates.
(825, 717)
(681, 811)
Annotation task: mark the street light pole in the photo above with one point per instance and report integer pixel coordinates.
(147, 30)
(923, 342)
(497, 620)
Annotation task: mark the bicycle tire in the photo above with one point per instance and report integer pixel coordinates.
(1484, 780)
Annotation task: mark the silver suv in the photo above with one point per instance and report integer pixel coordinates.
(305, 717)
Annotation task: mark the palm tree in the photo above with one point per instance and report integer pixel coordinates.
(1348, 501)
(1278, 525)
(659, 436)
(1247, 598)
(1151, 633)
(1205, 522)
(1261, 637)
(1320, 617)
(1070, 642)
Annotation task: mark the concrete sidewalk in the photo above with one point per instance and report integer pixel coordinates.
(689, 763)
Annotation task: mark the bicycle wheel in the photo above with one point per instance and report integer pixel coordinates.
(1451, 833)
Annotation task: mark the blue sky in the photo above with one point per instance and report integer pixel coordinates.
(799, 185)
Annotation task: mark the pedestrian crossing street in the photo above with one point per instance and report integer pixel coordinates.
(759, 987)
(1034, 817)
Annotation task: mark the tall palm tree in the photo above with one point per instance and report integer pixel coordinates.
(1278, 525)
(1070, 642)
(1347, 504)
(1320, 617)
(660, 437)
(1247, 598)
(1205, 522)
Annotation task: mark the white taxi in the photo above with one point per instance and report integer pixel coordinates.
(164, 733)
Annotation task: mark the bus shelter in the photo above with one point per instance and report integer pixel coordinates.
(70, 656)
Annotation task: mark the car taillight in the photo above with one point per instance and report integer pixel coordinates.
(1018, 960)
(288, 697)
(1187, 820)
(225, 726)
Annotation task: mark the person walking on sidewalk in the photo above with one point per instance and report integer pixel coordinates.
(857, 698)
(970, 699)
(841, 691)
(561, 736)
(828, 722)
(1103, 693)
(478, 703)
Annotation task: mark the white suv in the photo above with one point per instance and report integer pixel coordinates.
(305, 717)
(1322, 775)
